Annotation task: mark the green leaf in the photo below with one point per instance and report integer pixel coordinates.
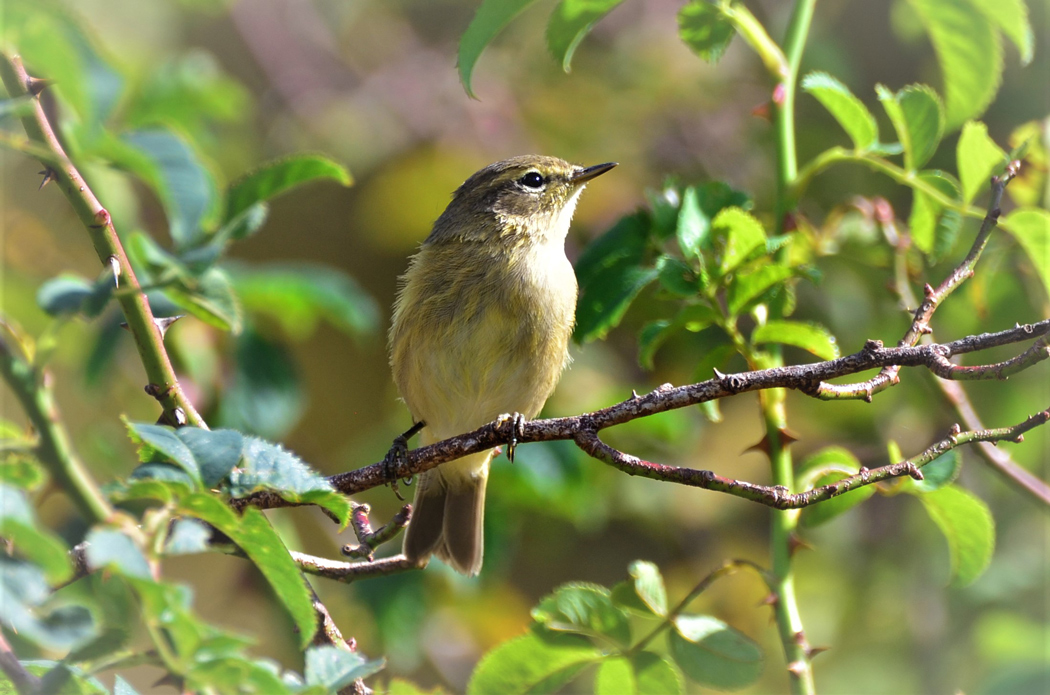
(705, 29)
(210, 297)
(64, 294)
(746, 287)
(532, 663)
(19, 527)
(24, 599)
(651, 337)
(1012, 18)
(808, 336)
(215, 452)
(615, 676)
(978, 158)
(265, 396)
(942, 471)
(270, 467)
(490, 19)
(187, 537)
(648, 585)
(156, 441)
(18, 469)
(302, 295)
(399, 686)
(739, 233)
(184, 185)
(970, 56)
(655, 674)
(918, 117)
(570, 22)
(825, 467)
(110, 549)
(968, 527)
(234, 673)
(610, 275)
(713, 654)
(848, 110)
(336, 668)
(274, 178)
(1031, 228)
(677, 277)
(122, 687)
(583, 608)
(933, 228)
(693, 225)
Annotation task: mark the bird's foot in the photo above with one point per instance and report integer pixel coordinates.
(398, 455)
(516, 422)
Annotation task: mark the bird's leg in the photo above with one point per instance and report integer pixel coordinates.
(517, 423)
(397, 455)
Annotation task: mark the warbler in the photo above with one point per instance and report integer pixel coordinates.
(481, 330)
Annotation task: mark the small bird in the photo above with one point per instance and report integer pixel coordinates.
(481, 330)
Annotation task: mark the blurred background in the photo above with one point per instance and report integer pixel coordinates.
(373, 85)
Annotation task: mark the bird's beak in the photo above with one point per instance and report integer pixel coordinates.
(585, 175)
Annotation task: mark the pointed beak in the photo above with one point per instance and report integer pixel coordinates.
(585, 175)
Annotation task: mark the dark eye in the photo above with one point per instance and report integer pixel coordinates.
(533, 179)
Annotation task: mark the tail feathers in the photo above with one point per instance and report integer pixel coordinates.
(448, 519)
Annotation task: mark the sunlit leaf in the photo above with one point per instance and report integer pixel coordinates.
(808, 336)
(693, 225)
(918, 117)
(848, 110)
(705, 29)
(933, 227)
(746, 287)
(215, 452)
(109, 548)
(336, 668)
(739, 233)
(532, 663)
(978, 158)
(615, 676)
(1012, 18)
(655, 674)
(714, 654)
(827, 466)
(583, 608)
(211, 298)
(490, 19)
(157, 441)
(570, 22)
(968, 527)
(1031, 228)
(274, 178)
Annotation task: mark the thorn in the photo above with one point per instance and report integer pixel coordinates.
(927, 290)
(915, 472)
(634, 395)
(761, 445)
(955, 429)
(925, 329)
(797, 668)
(49, 176)
(1019, 438)
(799, 638)
(795, 543)
(762, 111)
(813, 651)
(163, 324)
(787, 436)
(872, 345)
(114, 267)
(769, 599)
(35, 85)
(718, 375)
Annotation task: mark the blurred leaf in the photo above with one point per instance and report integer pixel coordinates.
(978, 158)
(655, 674)
(713, 654)
(64, 294)
(968, 527)
(1031, 228)
(243, 225)
(739, 233)
(210, 297)
(234, 673)
(848, 110)
(705, 29)
(122, 687)
(187, 537)
(336, 668)
(808, 336)
(611, 274)
(215, 452)
(651, 337)
(110, 549)
(937, 473)
(933, 228)
(156, 442)
(18, 469)
(264, 396)
(532, 663)
(615, 676)
(269, 466)
(1028, 187)
(970, 56)
(1012, 18)
(301, 296)
(274, 178)
(749, 286)
(19, 527)
(676, 276)
(19, 106)
(586, 609)
(918, 117)
(570, 22)
(693, 226)
(648, 586)
(400, 686)
(827, 466)
(179, 178)
(490, 19)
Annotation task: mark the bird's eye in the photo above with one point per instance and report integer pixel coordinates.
(533, 179)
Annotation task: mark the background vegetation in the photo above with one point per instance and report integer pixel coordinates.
(164, 104)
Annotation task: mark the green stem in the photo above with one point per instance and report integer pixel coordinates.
(54, 447)
(789, 621)
(95, 218)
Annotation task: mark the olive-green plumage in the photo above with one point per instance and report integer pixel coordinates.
(481, 328)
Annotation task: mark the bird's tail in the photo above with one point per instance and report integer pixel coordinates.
(448, 514)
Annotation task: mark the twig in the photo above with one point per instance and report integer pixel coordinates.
(352, 571)
(24, 681)
(99, 225)
(370, 540)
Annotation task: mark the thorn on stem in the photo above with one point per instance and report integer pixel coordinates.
(797, 668)
(49, 176)
(114, 267)
(35, 85)
(928, 290)
(872, 345)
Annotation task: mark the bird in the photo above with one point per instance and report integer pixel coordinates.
(480, 331)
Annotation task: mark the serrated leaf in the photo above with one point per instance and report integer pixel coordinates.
(490, 19)
(649, 585)
(714, 654)
(848, 110)
(738, 233)
(155, 440)
(1031, 228)
(676, 276)
(918, 117)
(968, 527)
(655, 674)
(583, 608)
(705, 29)
(519, 666)
(932, 226)
(274, 178)
(215, 452)
(211, 298)
(615, 676)
(108, 548)
(1012, 18)
(969, 53)
(570, 22)
(336, 668)
(746, 287)
(827, 466)
(978, 157)
(808, 336)
(182, 182)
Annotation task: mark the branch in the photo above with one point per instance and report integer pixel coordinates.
(24, 681)
(352, 571)
(148, 336)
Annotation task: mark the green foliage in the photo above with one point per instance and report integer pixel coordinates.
(705, 29)
(848, 110)
(713, 654)
(968, 527)
(978, 159)
(534, 662)
(918, 117)
(1031, 228)
(490, 19)
(570, 22)
(808, 336)
(334, 668)
(827, 466)
(277, 177)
